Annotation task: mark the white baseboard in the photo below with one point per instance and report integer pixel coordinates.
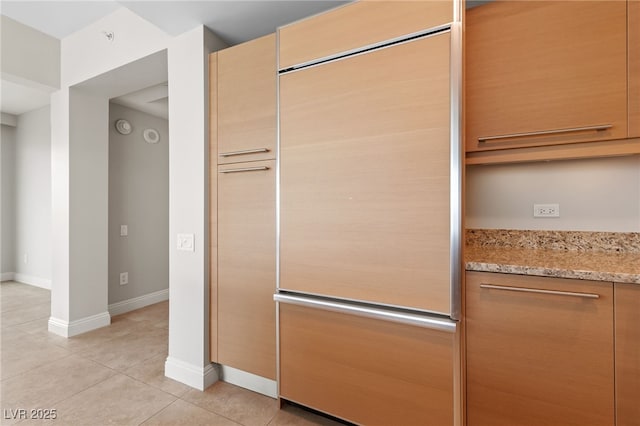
(191, 375)
(7, 276)
(138, 302)
(31, 280)
(249, 381)
(73, 328)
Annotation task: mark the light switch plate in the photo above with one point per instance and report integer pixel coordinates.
(186, 242)
(124, 230)
(546, 210)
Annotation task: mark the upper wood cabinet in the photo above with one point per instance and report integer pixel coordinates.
(357, 25)
(542, 73)
(246, 97)
(634, 68)
(539, 351)
(247, 267)
(627, 301)
(365, 166)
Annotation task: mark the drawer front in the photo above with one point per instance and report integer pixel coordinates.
(365, 370)
(246, 101)
(357, 25)
(539, 351)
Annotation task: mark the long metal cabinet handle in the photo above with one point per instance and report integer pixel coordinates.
(246, 151)
(535, 290)
(369, 312)
(545, 132)
(244, 169)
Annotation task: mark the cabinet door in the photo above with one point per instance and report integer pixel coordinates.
(246, 94)
(627, 354)
(634, 68)
(246, 267)
(358, 25)
(539, 356)
(364, 370)
(364, 157)
(557, 67)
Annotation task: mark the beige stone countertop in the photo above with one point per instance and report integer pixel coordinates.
(591, 265)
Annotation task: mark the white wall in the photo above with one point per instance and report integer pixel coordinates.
(594, 195)
(33, 198)
(138, 198)
(79, 297)
(29, 56)
(188, 359)
(7, 202)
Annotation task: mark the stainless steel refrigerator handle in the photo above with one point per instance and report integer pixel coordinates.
(535, 290)
(246, 151)
(244, 169)
(545, 132)
(369, 312)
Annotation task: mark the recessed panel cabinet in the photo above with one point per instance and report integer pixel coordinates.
(634, 67)
(542, 73)
(539, 351)
(627, 301)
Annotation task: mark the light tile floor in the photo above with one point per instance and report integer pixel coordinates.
(114, 375)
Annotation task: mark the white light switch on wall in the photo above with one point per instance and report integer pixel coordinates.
(185, 242)
(124, 230)
(546, 210)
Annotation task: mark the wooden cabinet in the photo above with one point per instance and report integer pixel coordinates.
(246, 97)
(627, 303)
(539, 351)
(364, 370)
(365, 168)
(634, 67)
(242, 205)
(246, 267)
(545, 74)
(356, 25)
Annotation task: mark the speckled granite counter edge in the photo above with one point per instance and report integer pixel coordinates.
(618, 277)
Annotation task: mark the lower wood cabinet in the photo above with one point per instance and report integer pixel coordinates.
(246, 316)
(365, 370)
(539, 351)
(627, 302)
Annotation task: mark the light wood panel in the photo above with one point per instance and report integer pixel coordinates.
(627, 303)
(213, 208)
(365, 177)
(246, 268)
(536, 66)
(556, 152)
(634, 67)
(364, 370)
(357, 25)
(538, 359)
(247, 100)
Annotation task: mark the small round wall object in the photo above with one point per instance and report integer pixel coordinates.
(123, 126)
(151, 136)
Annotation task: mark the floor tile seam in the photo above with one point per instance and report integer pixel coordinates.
(31, 370)
(157, 412)
(27, 321)
(209, 410)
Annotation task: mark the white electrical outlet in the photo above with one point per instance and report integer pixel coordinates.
(25, 258)
(124, 230)
(124, 278)
(546, 210)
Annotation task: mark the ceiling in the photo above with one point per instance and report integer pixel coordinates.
(235, 21)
